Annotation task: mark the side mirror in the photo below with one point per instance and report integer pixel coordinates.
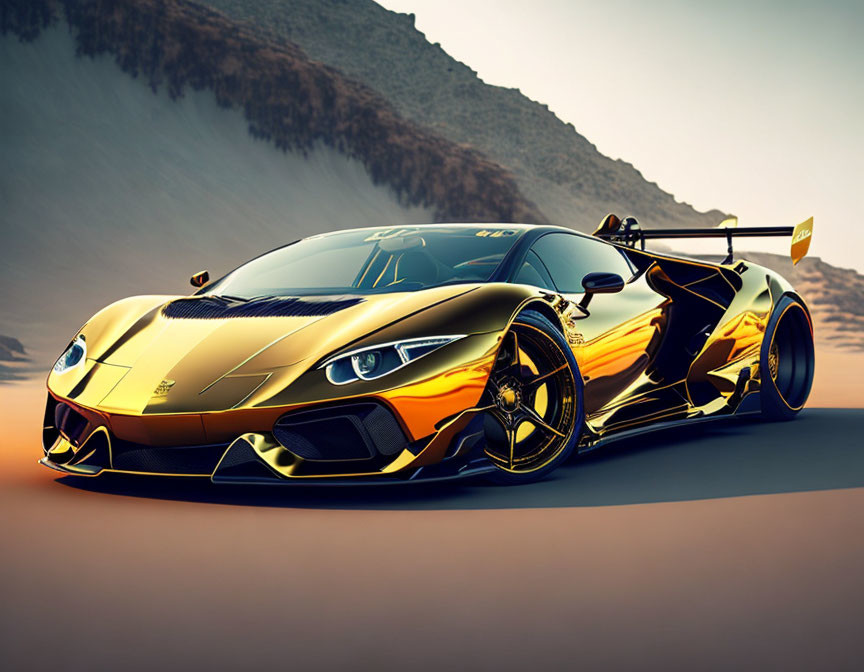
(599, 283)
(602, 283)
(200, 279)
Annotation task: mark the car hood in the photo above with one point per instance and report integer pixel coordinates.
(191, 354)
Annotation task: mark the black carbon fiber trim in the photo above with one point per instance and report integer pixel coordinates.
(213, 308)
(241, 453)
(301, 446)
(241, 463)
(338, 437)
(351, 432)
(129, 456)
(386, 433)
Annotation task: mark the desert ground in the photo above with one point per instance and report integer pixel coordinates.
(737, 546)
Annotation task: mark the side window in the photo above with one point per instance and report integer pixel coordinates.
(533, 273)
(570, 258)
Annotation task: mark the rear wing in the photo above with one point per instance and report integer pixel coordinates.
(629, 233)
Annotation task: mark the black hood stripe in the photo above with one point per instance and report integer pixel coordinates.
(217, 308)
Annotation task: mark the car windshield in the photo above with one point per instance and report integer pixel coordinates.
(392, 259)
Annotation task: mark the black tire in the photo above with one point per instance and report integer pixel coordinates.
(786, 360)
(535, 392)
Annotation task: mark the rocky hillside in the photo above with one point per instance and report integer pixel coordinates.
(557, 168)
(287, 98)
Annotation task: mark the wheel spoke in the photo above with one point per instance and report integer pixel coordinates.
(511, 437)
(535, 419)
(534, 383)
(501, 418)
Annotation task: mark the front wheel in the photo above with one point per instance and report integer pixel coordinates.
(534, 397)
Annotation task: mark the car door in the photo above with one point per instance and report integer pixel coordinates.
(616, 336)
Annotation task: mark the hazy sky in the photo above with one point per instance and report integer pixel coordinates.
(755, 107)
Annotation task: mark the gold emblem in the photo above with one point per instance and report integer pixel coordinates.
(163, 388)
(573, 334)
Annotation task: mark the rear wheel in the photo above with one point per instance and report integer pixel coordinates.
(786, 361)
(535, 395)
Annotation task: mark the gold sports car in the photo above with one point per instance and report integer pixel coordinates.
(424, 353)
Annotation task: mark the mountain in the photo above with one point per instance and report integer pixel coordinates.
(555, 167)
(144, 140)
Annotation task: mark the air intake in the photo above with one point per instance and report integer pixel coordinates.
(70, 422)
(217, 308)
(357, 431)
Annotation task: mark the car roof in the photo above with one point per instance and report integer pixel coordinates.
(442, 225)
(535, 229)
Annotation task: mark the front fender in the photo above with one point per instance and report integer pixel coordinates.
(102, 332)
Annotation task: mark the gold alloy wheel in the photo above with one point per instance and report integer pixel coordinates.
(774, 360)
(533, 402)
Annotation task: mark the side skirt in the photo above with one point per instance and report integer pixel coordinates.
(687, 422)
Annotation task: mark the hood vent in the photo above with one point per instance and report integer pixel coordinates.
(218, 308)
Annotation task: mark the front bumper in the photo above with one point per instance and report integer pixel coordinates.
(361, 441)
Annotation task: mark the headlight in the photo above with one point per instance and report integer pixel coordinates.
(75, 355)
(372, 363)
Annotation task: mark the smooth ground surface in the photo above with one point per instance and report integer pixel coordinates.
(739, 546)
